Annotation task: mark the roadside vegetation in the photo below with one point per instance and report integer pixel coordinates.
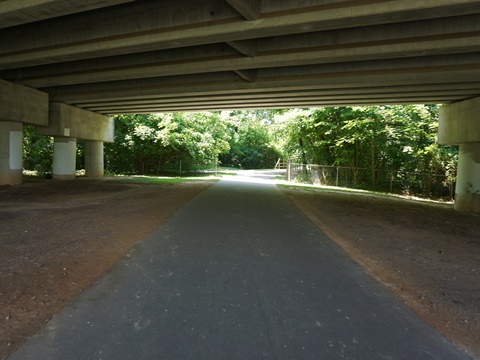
(400, 139)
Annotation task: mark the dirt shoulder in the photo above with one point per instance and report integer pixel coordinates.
(57, 238)
(427, 254)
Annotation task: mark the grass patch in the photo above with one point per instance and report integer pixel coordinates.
(153, 180)
(323, 188)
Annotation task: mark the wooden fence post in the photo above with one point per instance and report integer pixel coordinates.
(289, 170)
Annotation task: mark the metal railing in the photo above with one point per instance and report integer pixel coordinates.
(426, 185)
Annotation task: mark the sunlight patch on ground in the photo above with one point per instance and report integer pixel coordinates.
(278, 177)
(256, 176)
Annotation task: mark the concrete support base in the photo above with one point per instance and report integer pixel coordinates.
(467, 191)
(11, 152)
(64, 158)
(94, 158)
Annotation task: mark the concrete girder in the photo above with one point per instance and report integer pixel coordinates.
(17, 12)
(247, 75)
(71, 122)
(451, 61)
(464, 90)
(22, 104)
(458, 90)
(249, 9)
(266, 105)
(459, 124)
(145, 26)
(353, 75)
(441, 36)
(264, 99)
(246, 47)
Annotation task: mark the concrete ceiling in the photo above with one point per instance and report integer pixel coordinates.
(125, 56)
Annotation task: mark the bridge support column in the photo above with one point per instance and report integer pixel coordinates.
(460, 125)
(64, 158)
(18, 105)
(467, 191)
(94, 158)
(11, 152)
(67, 124)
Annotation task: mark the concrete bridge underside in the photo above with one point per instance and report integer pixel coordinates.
(85, 61)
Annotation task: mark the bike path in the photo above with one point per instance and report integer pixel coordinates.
(237, 273)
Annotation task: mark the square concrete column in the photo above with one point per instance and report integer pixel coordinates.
(94, 158)
(467, 191)
(64, 158)
(11, 152)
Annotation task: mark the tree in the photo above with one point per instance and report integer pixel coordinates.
(251, 145)
(156, 142)
(37, 150)
(396, 138)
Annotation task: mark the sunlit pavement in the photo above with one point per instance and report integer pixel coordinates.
(237, 273)
(257, 176)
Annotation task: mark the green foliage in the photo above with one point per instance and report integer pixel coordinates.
(396, 138)
(37, 151)
(251, 145)
(393, 138)
(149, 144)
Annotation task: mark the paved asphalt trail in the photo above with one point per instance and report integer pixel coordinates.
(237, 273)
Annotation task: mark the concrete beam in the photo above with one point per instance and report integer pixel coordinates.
(271, 105)
(249, 9)
(247, 47)
(22, 104)
(265, 104)
(71, 122)
(423, 71)
(400, 92)
(265, 99)
(455, 35)
(162, 26)
(247, 75)
(459, 123)
(17, 12)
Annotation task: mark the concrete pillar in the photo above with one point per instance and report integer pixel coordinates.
(64, 158)
(459, 125)
(93, 158)
(67, 124)
(467, 191)
(11, 153)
